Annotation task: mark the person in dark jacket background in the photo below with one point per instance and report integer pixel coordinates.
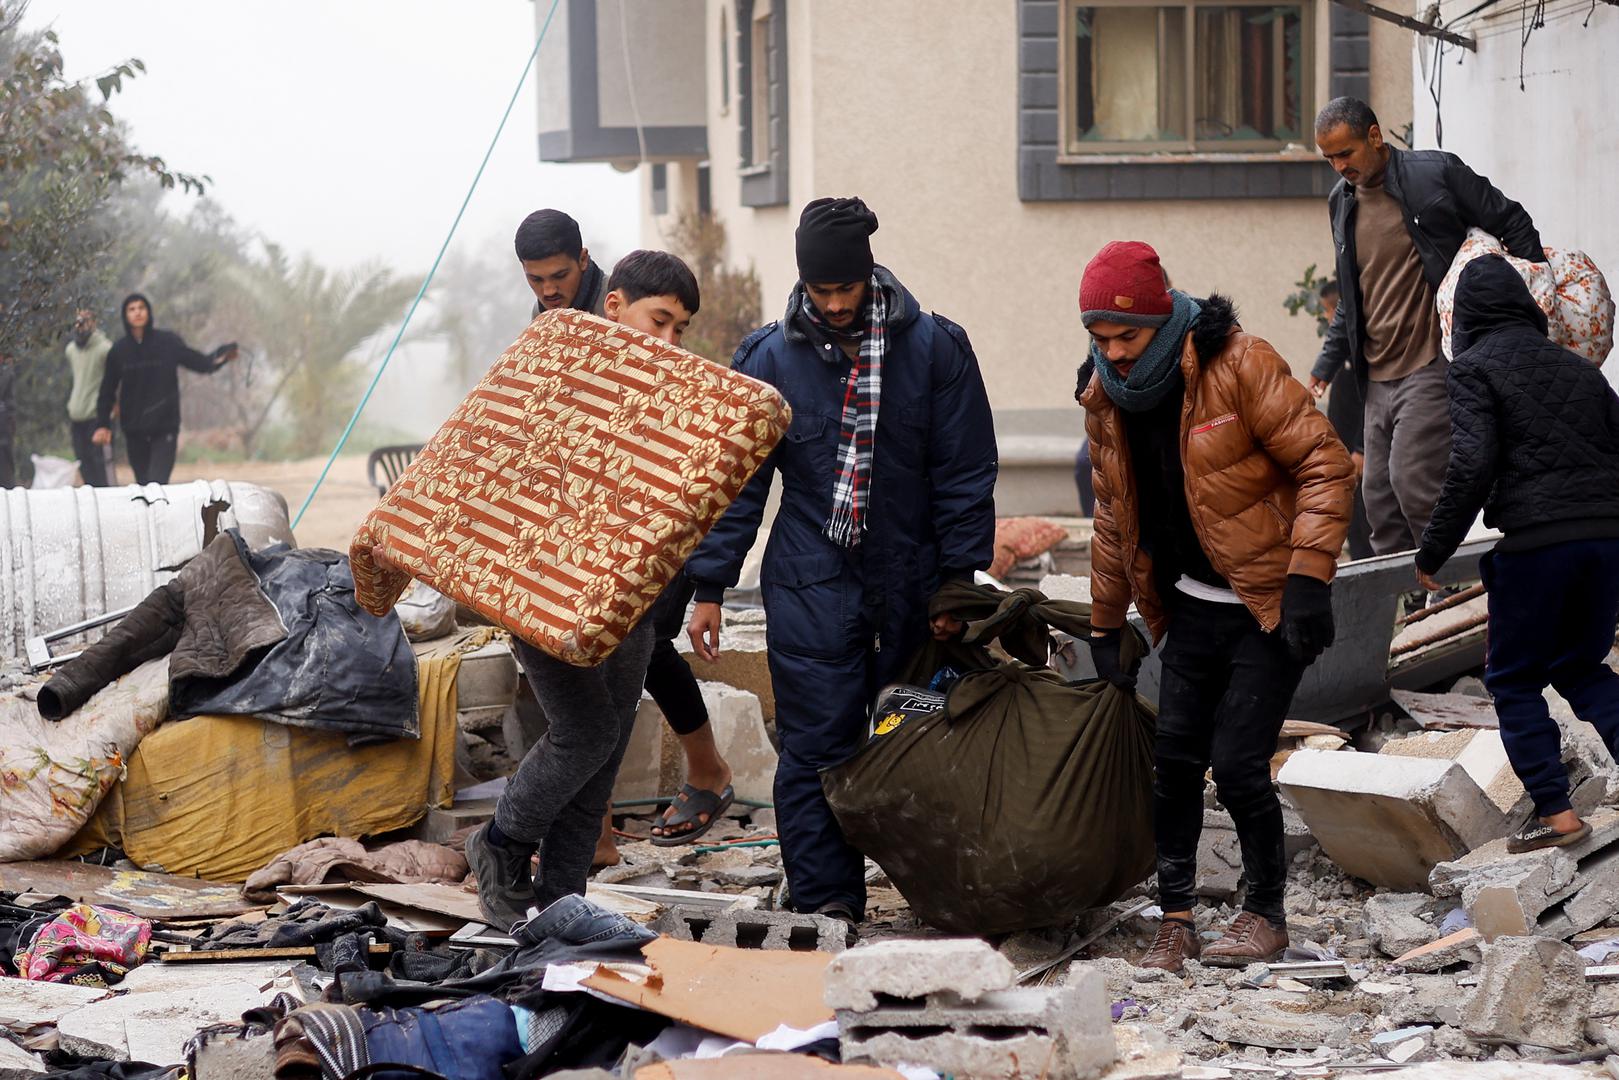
(1535, 444)
(888, 480)
(1398, 219)
(142, 379)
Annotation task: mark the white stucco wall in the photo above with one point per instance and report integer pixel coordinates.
(1553, 146)
(937, 162)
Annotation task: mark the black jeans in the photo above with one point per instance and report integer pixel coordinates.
(1225, 691)
(151, 456)
(1553, 611)
(92, 458)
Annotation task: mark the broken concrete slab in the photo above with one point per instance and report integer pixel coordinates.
(29, 1003)
(1008, 1033)
(1480, 753)
(965, 969)
(1388, 819)
(17, 1063)
(233, 1056)
(1143, 1054)
(1553, 892)
(1394, 925)
(754, 929)
(1531, 991)
(161, 1023)
(163, 978)
(1452, 710)
(1257, 1024)
(1462, 947)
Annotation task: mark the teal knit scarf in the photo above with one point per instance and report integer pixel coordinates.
(1157, 372)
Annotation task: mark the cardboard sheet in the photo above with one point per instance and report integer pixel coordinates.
(742, 993)
(220, 796)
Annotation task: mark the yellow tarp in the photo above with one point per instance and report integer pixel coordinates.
(220, 796)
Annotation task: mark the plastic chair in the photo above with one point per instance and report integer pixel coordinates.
(391, 461)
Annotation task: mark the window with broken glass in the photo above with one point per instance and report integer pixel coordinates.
(1184, 78)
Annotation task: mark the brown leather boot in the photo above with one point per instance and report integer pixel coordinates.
(1250, 939)
(1175, 944)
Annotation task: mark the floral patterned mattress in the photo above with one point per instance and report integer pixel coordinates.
(572, 483)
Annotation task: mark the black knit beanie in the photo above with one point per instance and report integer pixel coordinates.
(834, 241)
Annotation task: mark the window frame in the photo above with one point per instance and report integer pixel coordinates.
(1072, 150)
(762, 123)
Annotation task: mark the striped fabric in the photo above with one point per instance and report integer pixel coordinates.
(570, 486)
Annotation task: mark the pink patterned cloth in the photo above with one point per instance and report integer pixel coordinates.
(1568, 287)
(90, 946)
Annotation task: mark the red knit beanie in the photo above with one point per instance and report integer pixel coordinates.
(1124, 283)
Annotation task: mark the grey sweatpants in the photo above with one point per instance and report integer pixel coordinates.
(556, 798)
(1407, 448)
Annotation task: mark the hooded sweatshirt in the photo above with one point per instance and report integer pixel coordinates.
(1534, 427)
(143, 379)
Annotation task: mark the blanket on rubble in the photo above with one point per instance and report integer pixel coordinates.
(274, 634)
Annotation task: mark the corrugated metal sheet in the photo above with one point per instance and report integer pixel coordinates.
(73, 553)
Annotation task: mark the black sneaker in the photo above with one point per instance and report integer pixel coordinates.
(505, 880)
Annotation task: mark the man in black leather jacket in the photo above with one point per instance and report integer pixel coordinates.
(1398, 219)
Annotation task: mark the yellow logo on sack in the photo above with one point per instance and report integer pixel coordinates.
(888, 723)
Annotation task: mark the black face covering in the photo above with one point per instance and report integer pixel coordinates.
(1491, 296)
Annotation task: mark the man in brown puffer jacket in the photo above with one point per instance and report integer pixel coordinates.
(1223, 497)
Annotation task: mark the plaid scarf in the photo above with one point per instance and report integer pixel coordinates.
(860, 403)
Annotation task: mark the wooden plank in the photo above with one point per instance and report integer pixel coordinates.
(218, 956)
(450, 900)
(150, 896)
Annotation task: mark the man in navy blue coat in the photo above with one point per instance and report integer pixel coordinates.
(888, 480)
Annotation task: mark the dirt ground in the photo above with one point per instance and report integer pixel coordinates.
(343, 500)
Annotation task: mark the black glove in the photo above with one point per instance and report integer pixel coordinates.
(1307, 627)
(1105, 655)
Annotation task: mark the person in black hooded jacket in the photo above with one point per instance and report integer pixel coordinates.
(1535, 444)
(142, 380)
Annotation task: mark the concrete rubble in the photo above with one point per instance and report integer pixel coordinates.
(893, 998)
(1531, 991)
(1554, 892)
(754, 929)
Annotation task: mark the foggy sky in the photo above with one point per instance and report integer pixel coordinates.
(346, 128)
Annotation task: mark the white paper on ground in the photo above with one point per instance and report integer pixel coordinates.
(789, 1038)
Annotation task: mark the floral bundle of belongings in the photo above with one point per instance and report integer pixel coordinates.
(1568, 287)
(81, 944)
(569, 487)
(1018, 801)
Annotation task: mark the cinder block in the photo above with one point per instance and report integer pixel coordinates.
(966, 968)
(1011, 1033)
(779, 930)
(233, 1056)
(1387, 819)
